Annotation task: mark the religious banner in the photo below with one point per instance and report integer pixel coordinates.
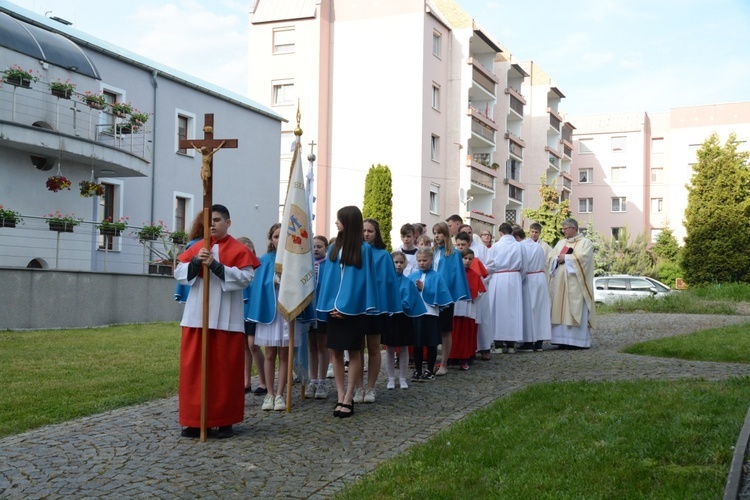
(294, 260)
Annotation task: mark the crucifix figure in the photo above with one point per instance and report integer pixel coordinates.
(208, 146)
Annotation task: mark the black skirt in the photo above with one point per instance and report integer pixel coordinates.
(426, 331)
(446, 319)
(347, 333)
(399, 332)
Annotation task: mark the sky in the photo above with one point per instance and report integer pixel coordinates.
(606, 56)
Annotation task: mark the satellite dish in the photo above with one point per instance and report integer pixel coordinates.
(462, 195)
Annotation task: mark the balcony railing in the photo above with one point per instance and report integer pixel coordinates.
(515, 149)
(515, 193)
(516, 105)
(555, 120)
(37, 107)
(567, 184)
(482, 179)
(482, 130)
(483, 76)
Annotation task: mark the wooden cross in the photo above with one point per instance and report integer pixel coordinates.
(207, 147)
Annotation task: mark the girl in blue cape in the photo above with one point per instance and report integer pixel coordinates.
(400, 335)
(450, 265)
(388, 299)
(347, 295)
(272, 331)
(436, 296)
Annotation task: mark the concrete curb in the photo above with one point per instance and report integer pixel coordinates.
(734, 479)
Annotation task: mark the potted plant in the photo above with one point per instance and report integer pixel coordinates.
(178, 237)
(137, 119)
(89, 189)
(19, 77)
(61, 88)
(62, 223)
(121, 109)
(96, 101)
(58, 183)
(151, 232)
(108, 227)
(9, 218)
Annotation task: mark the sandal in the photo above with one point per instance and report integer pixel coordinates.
(348, 414)
(336, 412)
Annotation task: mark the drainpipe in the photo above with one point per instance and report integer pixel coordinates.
(155, 84)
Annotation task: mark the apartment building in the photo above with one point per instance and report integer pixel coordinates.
(438, 100)
(146, 177)
(631, 169)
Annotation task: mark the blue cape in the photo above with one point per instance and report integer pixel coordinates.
(451, 268)
(347, 289)
(388, 289)
(411, 301)
(260, 306)
(434, 292)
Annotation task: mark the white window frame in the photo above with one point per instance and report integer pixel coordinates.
(657, 205)
(117, 204)
(655, 232)
(190, 212)
(584, 148)
(589, 205)
(190, 130)
(435, 148)
(622, 204)
(657, 145)
(283, 92)
(108, 119)
(435, 96)
(283, 40)
(618, 174)
(434, 199)
(437, 44)
(587, 177)
(657, 172)
(619, 143)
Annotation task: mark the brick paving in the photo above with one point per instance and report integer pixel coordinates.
(136, 452)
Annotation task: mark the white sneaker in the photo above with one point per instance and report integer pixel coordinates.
(279, 403)
(329, 373)
(391, 383)
(369, 396)
(511, 350)
(322, 391)
(267, 403)
(402, 383)
(311, 388)
(359, 396)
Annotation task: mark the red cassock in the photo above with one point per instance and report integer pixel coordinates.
(226, 340)
(464, 334)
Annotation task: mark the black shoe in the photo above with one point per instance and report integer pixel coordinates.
(416, 376)
(336, 411)
(427, 376)
(538, 345)
(191, 432)
(349, 413)
(225, 431)
(260, 391)
(248, 389)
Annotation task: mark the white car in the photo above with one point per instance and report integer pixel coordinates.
(610, 289)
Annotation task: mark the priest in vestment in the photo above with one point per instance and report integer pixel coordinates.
(232, 267)
(572, 288)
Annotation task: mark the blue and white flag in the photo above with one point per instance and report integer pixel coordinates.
(294, 259)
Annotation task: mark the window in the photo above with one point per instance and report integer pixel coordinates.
(434, 198)
(640, 285)
(434, 147)
(179, 214)
(185, 128)
(655, 232)
(585, 175)
(617, 174)
(616, 232)
(584, 146)
(109, 208)
(287, 144)
(437, 38)
(108, 119)
(283, 40)
(435, 96)
(283, 93)
(616, 283)
(657, 145)
(585, 205)
(657, 205)
(657, 174)
(618, 204)
(182, 128)
(618, 143)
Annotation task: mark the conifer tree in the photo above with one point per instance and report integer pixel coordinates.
(378, 202)
(550, 214)
(667, 253)
(716, 217)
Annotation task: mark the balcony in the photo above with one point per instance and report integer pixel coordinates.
(555, 120)
(515, 193)
(38, 123)
(480, 129)
(517, 101)
(477, 215)
(483, 174)
(483, 76)
(515, 145)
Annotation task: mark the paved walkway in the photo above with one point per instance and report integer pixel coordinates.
(136, 452)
